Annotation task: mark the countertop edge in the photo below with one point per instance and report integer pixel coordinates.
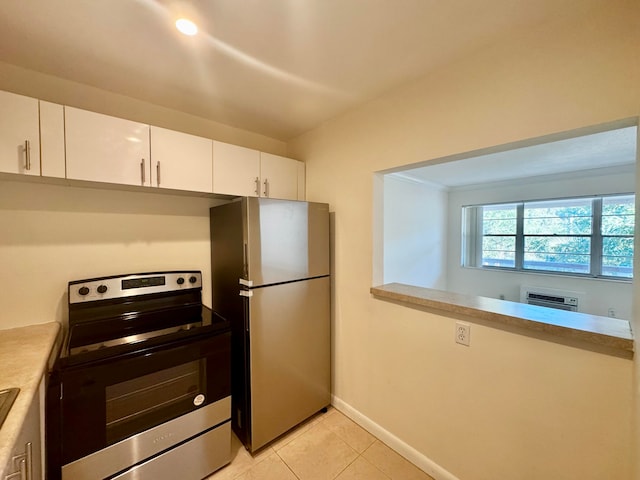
(36, 343)
(613, 335)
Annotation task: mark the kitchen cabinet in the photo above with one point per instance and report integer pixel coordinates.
(19, 134)
(40, 138)
(52, 154)
(246, 172)
(181, 161)
(236, 170)
(280, 177)
(26, 458)
(102, 148)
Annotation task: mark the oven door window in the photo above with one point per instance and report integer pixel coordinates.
(133, 404)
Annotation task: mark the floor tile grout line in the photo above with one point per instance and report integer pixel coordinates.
(373, 464)
(256, 462)
(340, 472)
(287, 465)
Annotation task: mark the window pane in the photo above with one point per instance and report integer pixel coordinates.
(623, 205)
(498, 227)
(618, 225)
(499, 259)
(499, 220)
(560, 226)
(557, 262)
(556, 244)
(618, 220)
(617, 246)
(621, 267)
(618, 215)
(499, 251)
(558, 254)
(499, 243)
(556, 208)
(497, 212)
(561, 217)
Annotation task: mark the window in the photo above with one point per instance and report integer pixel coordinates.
(572, 236)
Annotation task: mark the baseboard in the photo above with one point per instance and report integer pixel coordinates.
(407, 451)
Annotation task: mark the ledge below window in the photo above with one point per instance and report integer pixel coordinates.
(592, 332)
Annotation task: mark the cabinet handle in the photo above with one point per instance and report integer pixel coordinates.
(29, 461)
(158, 172)
(27, 155)
(257, 190)
(266, 187)
(142, 170)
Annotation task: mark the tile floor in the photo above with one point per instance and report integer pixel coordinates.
(328, 446)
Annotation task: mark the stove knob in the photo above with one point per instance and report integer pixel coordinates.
(83, 291)
(102, 288)
(193, 279)
(180, 280)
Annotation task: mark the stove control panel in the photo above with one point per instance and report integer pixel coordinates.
(130, 285)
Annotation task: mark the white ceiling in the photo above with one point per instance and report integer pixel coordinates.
(609, 149)
(275, 67)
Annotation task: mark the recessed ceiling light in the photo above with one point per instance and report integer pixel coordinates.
(186, 26)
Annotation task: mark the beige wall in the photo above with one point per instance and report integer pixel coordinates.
(53, 234)
(509, 406)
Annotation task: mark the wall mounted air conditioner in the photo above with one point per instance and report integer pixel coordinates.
(550, 297)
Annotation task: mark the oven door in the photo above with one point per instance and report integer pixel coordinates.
(104, 403)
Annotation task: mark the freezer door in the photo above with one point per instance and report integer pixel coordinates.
(290, 347)
(286, 240)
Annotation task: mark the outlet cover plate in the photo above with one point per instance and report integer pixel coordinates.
(463, 333)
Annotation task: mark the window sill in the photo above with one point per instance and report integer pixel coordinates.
(605, 335)
(623, 280)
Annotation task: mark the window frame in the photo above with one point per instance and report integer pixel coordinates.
(473, 235)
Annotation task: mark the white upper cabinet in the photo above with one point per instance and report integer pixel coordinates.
(246, 172)
(181, 161)
(102, 148)
(302, 181)
(52, 140)
(45, 139)
(236, 170)
(19, 134)
(279, 177)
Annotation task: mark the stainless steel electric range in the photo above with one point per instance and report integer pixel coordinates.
(142, 386)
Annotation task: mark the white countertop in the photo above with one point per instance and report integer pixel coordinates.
(24, 353)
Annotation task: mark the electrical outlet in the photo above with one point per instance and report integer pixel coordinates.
(611, 312)
(463, 333)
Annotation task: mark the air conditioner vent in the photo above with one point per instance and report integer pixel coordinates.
(545, 297)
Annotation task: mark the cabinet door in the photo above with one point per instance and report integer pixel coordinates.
(302, 181)
(19, 134)
(101, 148)
(279, 176)
(52, 140)
(181, 161)
(236, 170)
(28, 446)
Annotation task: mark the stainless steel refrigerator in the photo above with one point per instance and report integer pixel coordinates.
(270, 278)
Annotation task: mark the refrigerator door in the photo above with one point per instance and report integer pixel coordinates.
(289, 356)
(285, 240)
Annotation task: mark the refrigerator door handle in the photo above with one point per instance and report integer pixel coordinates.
(245, 253)
(246, 293)
(246, 283)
